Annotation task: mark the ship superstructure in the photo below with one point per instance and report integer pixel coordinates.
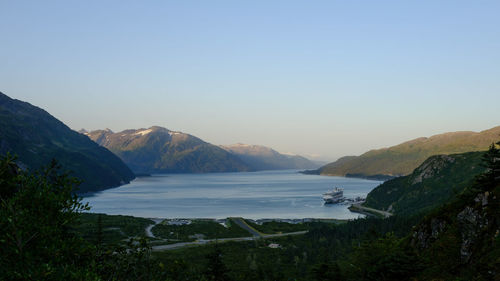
(335, 195)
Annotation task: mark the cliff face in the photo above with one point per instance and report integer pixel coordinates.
(465, 237)
(431, 168)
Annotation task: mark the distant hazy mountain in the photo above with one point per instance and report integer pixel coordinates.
(158, 150)
(402, 159)
(36, 138)
(264, 158)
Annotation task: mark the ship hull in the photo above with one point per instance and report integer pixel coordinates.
(333, 201)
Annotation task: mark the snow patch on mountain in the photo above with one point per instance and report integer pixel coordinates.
(143, 132)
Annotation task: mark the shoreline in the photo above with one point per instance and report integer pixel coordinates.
(380, 177)
(258, 221)
(358, 208)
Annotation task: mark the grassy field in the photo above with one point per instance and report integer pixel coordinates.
(114, 228)
(206, 229)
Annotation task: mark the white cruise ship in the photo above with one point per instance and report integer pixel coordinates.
(335, 195)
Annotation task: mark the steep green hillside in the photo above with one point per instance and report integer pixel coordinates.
(158, 150)
(402, 159)
(264, 158)
(36, 138)
(457, 241)
(434, 182)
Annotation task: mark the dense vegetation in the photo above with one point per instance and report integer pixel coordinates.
(436, 181)
(272, 227)
(38, 238)
(313, 256)
(402, 159)
(158, 150)
(457, 241)
(110, 229)
(36, 138)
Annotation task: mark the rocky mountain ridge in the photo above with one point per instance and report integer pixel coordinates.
(159, 150)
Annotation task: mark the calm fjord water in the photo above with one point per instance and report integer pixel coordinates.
(267, 194)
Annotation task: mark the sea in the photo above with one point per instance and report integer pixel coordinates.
(283, 194)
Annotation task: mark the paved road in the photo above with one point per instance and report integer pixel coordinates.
(239, 221)
(363, 209)
(245, 226)
(205, 242)
(149, 227)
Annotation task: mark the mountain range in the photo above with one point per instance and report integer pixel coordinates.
(36, 137)
(402, 159)
(159, 150)
(259, 157)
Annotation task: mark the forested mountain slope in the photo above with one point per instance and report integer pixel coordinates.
(36, 138)
(433, 183)
(457, 241)
(402, 159)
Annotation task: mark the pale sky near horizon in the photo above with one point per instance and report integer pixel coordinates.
(322, 78)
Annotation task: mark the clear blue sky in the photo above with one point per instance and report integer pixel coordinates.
(326, 78)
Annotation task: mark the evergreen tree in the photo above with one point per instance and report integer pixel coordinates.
(491, 161)
(99, 238)
(326, 271)
(216, 269)
(37, 211)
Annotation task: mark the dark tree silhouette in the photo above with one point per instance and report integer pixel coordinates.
(216, 269)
